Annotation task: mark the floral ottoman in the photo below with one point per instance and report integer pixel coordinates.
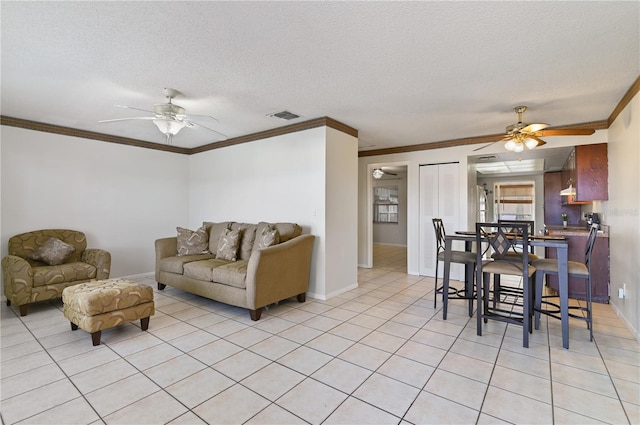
(103, 304)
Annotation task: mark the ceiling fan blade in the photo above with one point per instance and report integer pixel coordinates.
(136, 109)
(128, 119)
(224, 136)
(504, 139)
(540, 141)
(566, 132)
(391, 174)
(532, 128)
(190, 116)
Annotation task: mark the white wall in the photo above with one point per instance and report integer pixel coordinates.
(622, 212)
(121, 197)
(306, 177)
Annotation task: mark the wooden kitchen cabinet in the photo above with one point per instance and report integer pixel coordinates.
(599, 267)
(587, 170)
(553, 203)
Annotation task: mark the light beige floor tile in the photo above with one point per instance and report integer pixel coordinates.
(433, 339)
(160, 321)
(466, 366)
(459, 389)
(342, 375)
(273, 325)
(322, 323)
(516, 408)
(620, 355)
(540, 351)
(633, 412)
(562, 416)
(199, 387)
(399, 328)
(522, 383)
(485, 419)
(156, 408)
(274, 347)
(215, 351)
(577, 360)
(305, 360)
(193, 340)
(422, 353)
(477, 351)
(313, 401)
(136, 343)
(92, 379)
(88, 361)
(405, 370)
(296, 315)
(234, 405)
(274, 414)
(76, 411)
(19, 350)
(443, 327)
(248, 337)
(273, 381)
(240, 365)
(356, 412)
(300, 334)
(174, 370)
(206, 320)
(365, 356)
(30, 380)
(225, 328)
(330, 344)
(110, 398)
(535, 366)
(153, 356)
(388, 394)
(623, 371)
(22, 364)
(383, 341)
(576, 377)
(588, 403)
(628, 391)
(339, 313)
(432, 409)
(48, 396)
(188, 418)
(74, 348)
(173, 331)
(353, 331)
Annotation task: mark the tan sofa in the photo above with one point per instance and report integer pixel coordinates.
(29, 278)
(258, 276)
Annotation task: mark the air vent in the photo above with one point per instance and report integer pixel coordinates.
(487, 158)
(284, 115)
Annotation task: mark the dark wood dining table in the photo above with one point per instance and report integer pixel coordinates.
(559, 243)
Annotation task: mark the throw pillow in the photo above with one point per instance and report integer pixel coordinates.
(228, 245)
(193, 242)
(53, 252)
(268, 237)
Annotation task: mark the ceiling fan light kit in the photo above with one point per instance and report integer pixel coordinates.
(378, 173)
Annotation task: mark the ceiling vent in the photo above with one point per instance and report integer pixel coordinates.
(284, 115)
(487, 158)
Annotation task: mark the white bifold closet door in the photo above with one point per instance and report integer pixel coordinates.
(439, 198)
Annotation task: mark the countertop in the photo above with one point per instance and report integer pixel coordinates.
(573, 230)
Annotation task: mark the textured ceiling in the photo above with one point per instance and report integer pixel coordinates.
(402, 73)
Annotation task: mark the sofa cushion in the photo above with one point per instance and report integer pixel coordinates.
(201, 270)
(192, 242)
(247, 238)
(228, 245)
(215, 230)
(69, 272)
(176, 264)
(287, 231)
(231, 274)
(269, 236)
(53, 252)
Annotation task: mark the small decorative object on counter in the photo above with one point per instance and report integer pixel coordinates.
(565, 218)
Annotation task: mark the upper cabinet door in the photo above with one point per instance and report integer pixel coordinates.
(591, 173)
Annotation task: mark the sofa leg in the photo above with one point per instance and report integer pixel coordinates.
(161, 286)
(23, 309)
(144, 323)
(8, 303)
(301, 297)
(95, 337)
(255, 314)
(74, 327)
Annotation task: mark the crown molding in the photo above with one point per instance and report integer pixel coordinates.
(633, 90)
(74, 132)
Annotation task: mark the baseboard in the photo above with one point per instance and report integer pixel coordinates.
(331, 295)
(390, 244)
(621, 316)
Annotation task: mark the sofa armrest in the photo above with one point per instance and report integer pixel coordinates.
(17, 277)
(279, 272)
(165, 247)
(100, 259)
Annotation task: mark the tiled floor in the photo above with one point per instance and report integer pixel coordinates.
(377, 354)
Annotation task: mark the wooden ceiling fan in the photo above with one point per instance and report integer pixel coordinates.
(522, 135)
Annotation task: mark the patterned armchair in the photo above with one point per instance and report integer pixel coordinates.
(42, 263)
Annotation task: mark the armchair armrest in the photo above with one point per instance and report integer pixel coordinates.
(165, 247)
(17, 277)
(100, 259)
(279, 272)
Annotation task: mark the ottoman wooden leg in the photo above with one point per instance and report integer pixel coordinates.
(74, 327)
(144, 323)
(95, 337)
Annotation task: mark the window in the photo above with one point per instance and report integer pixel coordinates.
(385, 204)
(514, 201)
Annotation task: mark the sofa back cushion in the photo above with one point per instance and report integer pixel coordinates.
(24, 244)
(247, 238)
(286, 231)
(215, 231)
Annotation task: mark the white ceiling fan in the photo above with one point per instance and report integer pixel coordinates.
(169, 117)
(379, 172)
(522, 134)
